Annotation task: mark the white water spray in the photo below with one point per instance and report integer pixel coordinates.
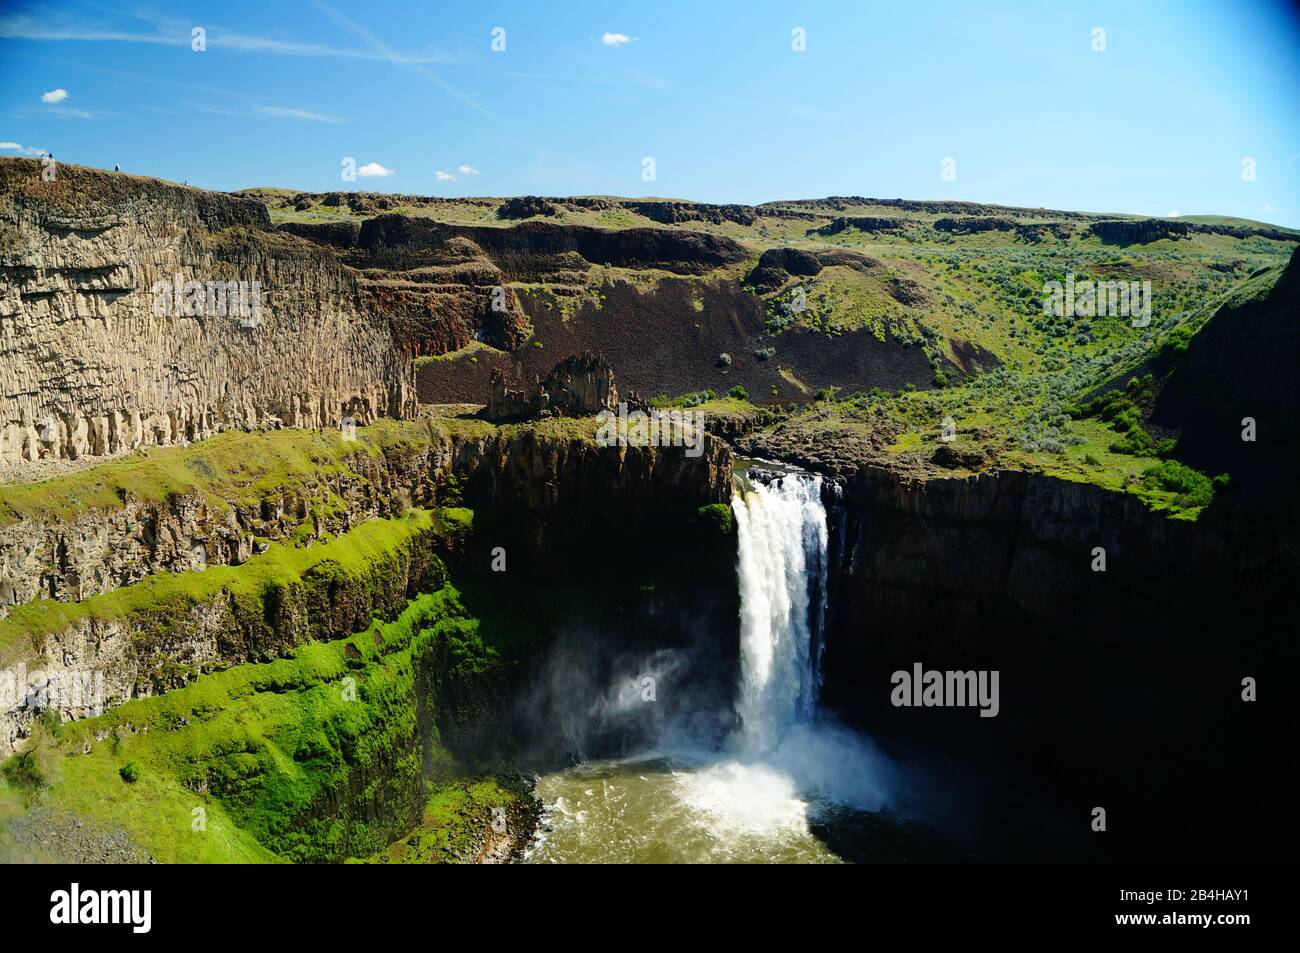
(782, 570)
(789, 764)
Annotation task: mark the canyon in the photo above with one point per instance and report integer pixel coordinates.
(216, 519)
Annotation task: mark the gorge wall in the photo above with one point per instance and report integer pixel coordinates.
(87, 366)
(1097, 669)
(546, 496)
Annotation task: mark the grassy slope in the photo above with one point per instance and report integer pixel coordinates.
(230, 467)
(281, 565)
(263, 749)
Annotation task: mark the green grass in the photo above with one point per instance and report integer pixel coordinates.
(469, 351)
(455, 819)
(171, 594)
(284, 759)
(223, 469)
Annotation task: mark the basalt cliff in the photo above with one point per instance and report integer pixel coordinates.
(97, 360)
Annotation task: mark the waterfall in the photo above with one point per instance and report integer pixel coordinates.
(782, 571)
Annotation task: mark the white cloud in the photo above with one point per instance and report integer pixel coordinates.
(25, 150)
(281, 112)
(615, 39)
(467, 170)
(373, 168)
(445, 176)
(54, 96)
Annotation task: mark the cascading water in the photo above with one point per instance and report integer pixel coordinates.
(787, 764)
(782, 572)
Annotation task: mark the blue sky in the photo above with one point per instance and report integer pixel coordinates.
(1157, 123)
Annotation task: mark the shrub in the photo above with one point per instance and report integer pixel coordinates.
(1192, 487)
(718, 517)
(738, 392)
(1177, 342)
(698, 397)
(131, 772)
(24, 770)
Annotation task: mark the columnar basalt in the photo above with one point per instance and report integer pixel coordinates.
(94, 360)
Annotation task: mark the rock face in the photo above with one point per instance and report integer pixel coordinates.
(551, 493)
(579, 386)
(674, 213)
(863, 223)
(1142, 231)
(1000, 573)
(526, 206)
(1234, 368)
(537, 251)
(1139, 232)
(95, 663)
(971, 226)
(776, 266)
(444, 286)
(98, 356)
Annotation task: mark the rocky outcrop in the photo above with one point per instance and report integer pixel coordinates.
(974, 225)
(441, 286)
(1138, 232)
(526, 206)
(99, 355)
(958, 565)
(677, 213)
(335, 234)
(776, 266)
(579, 386)
(863, 223)
(1232, 370)
(662, 211)
(1142, 231)
(841, 203)
(1038, 231)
